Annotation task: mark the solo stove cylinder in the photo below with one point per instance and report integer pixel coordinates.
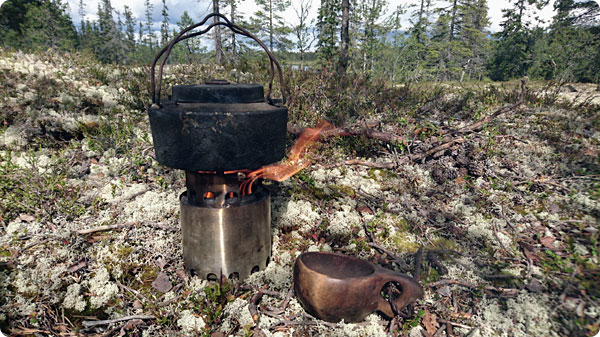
(216, 131)
(225, 236)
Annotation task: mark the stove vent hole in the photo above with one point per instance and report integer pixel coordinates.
(209, 196)
(212, 277)
(193, 272)
(234, 276)
(231, 196)
(268, 260)
(254, 269)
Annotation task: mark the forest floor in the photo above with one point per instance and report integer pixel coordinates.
(492, 188)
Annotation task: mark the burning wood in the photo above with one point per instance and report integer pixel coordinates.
(295, 162)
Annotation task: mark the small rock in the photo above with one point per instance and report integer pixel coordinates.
(162, 283)
(535, 286)
(553, 208)
(444, 291)
(27, 217)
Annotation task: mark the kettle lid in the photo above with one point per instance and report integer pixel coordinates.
(218, 92)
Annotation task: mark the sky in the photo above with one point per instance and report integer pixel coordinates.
(198, 9)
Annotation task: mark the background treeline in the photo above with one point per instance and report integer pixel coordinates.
(443, 40)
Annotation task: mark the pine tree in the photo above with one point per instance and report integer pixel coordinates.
(304, 38)
(344, 37)
(370, 31)
(270, 25)
(191, 46)
(233, 45)
(219, 57)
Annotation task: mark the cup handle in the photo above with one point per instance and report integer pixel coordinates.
(411, 290)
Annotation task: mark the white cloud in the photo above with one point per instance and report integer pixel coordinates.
(198, 9)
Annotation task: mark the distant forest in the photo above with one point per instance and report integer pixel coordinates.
(443, 41)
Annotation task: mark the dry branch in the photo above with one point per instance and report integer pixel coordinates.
(353, 130)
(90, 324)
(473, 127)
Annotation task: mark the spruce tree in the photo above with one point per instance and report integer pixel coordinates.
(48, 26)
(164, 26)
(150, 36)
(512, 50)
(328, 23)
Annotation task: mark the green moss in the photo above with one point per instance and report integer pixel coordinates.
(403, 244)
(344, 190)
(445, 243)
(403, 225)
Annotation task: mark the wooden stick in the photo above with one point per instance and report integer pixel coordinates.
(102, 229)
(418, 262)
(90, 324)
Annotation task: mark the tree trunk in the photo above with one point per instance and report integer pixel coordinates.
(453, 21)
(345, 36)
(218, 45)
(271, 25)
(232, 19)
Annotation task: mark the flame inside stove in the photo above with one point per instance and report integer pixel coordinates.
(295, 162)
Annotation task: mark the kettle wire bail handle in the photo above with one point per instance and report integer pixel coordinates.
(166, 51)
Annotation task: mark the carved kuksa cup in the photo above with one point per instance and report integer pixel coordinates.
(333, 287)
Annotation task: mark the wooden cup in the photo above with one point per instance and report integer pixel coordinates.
(335, 287)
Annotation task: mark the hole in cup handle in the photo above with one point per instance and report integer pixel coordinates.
(411, 290)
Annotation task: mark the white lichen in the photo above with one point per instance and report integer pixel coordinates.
(101, 288)
(190, 322)
(526, 315)
(74, 299)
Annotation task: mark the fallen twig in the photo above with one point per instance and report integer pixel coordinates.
(436, 263)
(89, 324)
(253, 305)
(102, 229)
(403, 266)
(385, 165)
(460, 325)
(134, 292)
(284, 323)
